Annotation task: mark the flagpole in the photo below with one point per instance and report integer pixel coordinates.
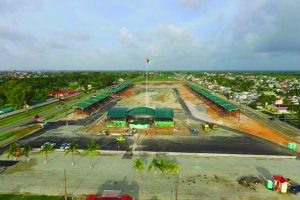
(147, 63)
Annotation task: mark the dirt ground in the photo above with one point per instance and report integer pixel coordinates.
(134, 97)
(245, 124)
(164, 96)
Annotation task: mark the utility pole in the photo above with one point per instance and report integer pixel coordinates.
(65, 180)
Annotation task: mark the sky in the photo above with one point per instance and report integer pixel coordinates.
(174, 34)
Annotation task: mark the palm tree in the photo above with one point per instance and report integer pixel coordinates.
(46, 149)
(138, 165)
(163, 165)
(172, 168)
(295, 109)
(154, 164)
(72, 149)
(92, 149)
(25, 151)
(13, 150)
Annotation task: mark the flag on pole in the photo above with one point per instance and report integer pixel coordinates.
(148, 61)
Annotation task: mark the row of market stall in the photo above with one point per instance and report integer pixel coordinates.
(219, 103)
(92, 103)
(121, 87)
(96, 101)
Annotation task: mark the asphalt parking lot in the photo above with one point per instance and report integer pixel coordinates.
(212, 144)
(105, 142)
(224, 142)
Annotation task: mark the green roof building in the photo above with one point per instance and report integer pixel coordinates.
(140, 117)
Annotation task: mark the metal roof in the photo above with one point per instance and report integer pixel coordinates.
(164, 113)
(92, 100)
(117, 112)
(142, 111)
(120, 111)
(217, 100)
(120, 87)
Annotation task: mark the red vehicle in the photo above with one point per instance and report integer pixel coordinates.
(35, 116)
(109, 195)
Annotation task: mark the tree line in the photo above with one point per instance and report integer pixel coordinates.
(19, 92)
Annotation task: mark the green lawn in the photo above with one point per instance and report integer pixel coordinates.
(22, 116)
(7, 135)
(19, 132)
(29, 197)
(58, 113)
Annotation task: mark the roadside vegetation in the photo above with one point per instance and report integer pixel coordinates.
(34, 89)
(20, 132)
(29, 197)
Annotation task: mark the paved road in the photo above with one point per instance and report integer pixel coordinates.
(37, 139)
(23, 122)
(200, 177)
(212, 144)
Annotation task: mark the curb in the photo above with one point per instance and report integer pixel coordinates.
(154, 153)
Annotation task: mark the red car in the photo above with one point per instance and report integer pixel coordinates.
(109, 195)
(35, 116)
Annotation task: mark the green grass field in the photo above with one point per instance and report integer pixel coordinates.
(30, 113)
(7, 135)
(57, 113)
(29, 197)
(20, 132)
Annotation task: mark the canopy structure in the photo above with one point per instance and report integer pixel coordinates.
(164, 113)
(92, 100)
(121, 87)
(117, 112)
(141, 112)
(217, 100)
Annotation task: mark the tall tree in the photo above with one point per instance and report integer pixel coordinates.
(155, 164)
(26, 150)
(295, 109)
(138, 165)
(72, 149)
(13, 150)
(92, 150)
(46, 149)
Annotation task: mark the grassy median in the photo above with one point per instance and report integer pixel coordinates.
(21, 116)
(20, 132)
(29, 197)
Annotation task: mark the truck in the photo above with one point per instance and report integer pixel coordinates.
(205, 127)
(213, 126)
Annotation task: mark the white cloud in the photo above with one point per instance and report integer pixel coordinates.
(12, 33)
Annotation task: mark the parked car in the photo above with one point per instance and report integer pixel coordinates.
(36, 116)
(294, 189)
(52, 144)
(193, 131)
(65, 146)
(106, 132)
